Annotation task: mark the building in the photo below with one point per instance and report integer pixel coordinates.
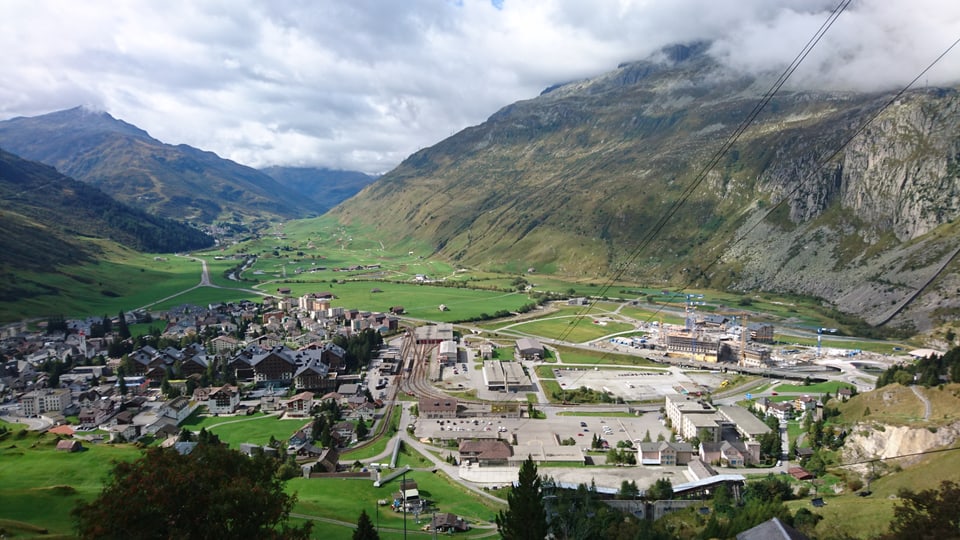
(694, 419)
(747, 425)
(437, 408)
(219, 400)
(761, 332)
(772, 529)
(447, 523)
(69, 445)
(434, 334)
(47, 400)
(448, 353)
(299, 405)
(487, 452)
(505, 376)
(529, 349)
(688, 342)
(665, 453)
(178, 409)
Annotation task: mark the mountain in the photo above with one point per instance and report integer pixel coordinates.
(325, 188)
(605, 178)
(47, 220)
(180, 182)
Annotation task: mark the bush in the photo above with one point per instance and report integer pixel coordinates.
(854, 484)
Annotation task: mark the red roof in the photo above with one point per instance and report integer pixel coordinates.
(62, 430)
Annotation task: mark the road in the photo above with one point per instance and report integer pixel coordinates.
(204, 282)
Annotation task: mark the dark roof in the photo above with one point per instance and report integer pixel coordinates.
(771, 530)
(489, 449)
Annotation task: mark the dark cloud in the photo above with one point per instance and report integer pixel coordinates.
(361, 84)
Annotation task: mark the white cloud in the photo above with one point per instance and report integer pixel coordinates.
(362, 84)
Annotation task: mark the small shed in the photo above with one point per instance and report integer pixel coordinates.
(68, 445)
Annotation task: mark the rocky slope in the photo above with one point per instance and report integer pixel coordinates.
(607, 177)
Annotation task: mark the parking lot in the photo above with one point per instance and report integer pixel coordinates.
(547, 433)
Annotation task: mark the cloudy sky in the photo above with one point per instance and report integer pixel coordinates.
(361, 84)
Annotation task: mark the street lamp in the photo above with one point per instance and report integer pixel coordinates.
(820, 332)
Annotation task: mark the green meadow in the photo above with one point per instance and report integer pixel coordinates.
(41, 485)
(571, 328)
(256, 429)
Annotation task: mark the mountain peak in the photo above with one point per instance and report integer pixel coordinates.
(84, 119)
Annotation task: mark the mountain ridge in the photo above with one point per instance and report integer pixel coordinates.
(573, 181)
(176, 181)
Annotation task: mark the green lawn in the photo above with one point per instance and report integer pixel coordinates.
(337, 498)
(571, 328)
(256, 428)
(819, 388)
(570, 355)
(40, 485)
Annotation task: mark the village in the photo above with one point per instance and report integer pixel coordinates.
(288, 357)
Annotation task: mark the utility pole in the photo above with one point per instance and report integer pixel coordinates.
(403, 501)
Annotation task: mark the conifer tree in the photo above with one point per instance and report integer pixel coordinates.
(525, 517)
(365, 530)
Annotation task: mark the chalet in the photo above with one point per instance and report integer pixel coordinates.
(311, 376)
(485, 452)
(194, 365)
(299, 405)
(448, 523)
(97, 413)
(178, 409)
(344, 432)
(219, 399)
(273, 366)
(328, 460)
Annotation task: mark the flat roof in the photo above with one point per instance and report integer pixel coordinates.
(745, 420)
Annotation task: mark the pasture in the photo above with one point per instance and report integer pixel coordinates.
(41, 485)
(570, 328)
(257, 428)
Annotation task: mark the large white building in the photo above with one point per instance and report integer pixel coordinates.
(46, 400)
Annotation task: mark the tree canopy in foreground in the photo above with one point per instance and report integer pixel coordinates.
(213, 492)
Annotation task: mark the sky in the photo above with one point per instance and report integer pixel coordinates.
(362, 84)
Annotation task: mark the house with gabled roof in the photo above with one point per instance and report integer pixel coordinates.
(219, 399)
(485, 452)
(431, 407)
(299, 405)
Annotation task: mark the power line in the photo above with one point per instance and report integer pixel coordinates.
(658, 227)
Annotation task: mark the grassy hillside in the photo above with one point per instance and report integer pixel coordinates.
(606, 177)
